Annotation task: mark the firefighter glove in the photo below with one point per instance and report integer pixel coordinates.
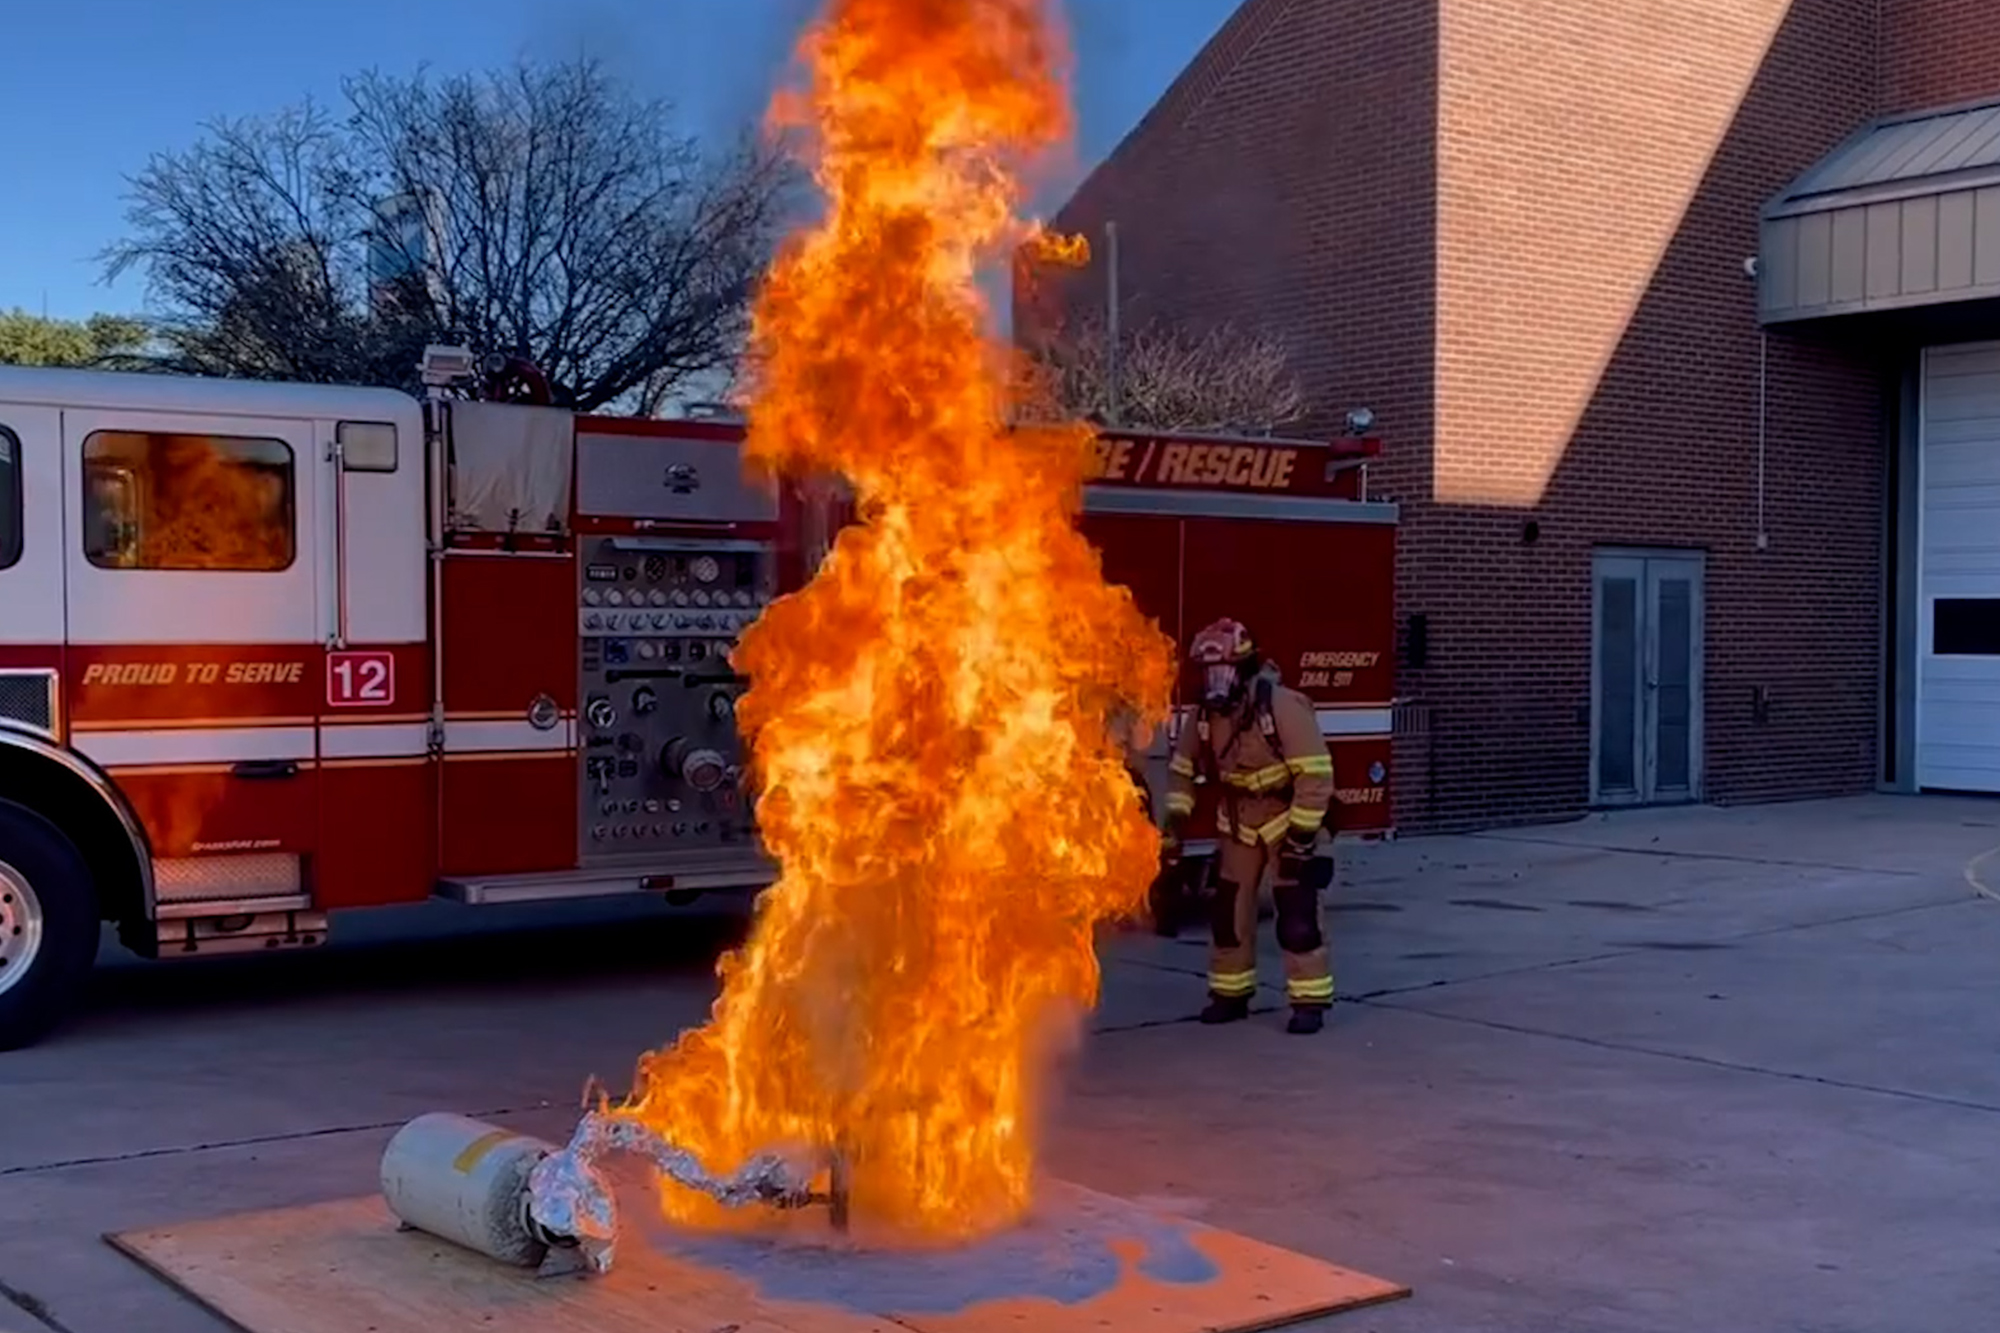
(1293, 854)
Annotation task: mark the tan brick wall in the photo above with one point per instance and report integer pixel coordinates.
(1601, 170)
(1517, 231)
(1572, 136)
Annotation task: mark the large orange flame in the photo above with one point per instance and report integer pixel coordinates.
(938, 721)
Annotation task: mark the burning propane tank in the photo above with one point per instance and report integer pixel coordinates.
(530, 1204)
(467, 1182)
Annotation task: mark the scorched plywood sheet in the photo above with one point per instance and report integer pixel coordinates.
(1085, 1263)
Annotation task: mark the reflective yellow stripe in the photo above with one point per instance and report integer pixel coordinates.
(1252, 836)
(1232, 983)
(1180, 803)
(1180, 766)
(1262, 779)
(1301, 817)
(1229, 829)
(1310, 988)
(1313, 765)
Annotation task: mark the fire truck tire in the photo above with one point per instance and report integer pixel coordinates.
(48, 926)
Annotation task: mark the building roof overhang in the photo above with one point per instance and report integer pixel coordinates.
(1905, 213)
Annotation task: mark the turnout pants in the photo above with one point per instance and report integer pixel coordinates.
(1232, 965)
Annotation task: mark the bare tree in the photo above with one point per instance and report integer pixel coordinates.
(543, 211)
(1168, 378)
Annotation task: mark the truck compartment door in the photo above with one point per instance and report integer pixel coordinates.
(192, 571)
(31, 574)
(1320, 597)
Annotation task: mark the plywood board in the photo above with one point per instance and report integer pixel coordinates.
(1083, 1262)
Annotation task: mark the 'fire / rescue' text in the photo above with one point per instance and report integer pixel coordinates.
(1152, 463)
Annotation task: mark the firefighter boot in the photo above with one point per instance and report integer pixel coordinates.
(1232, 961)
(1308, 977)
(1225, 1009)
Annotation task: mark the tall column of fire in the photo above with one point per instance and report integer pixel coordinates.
(934, 718)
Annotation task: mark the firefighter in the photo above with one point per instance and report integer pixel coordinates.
(1259, 744)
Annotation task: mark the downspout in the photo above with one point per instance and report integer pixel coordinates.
(1763, 429)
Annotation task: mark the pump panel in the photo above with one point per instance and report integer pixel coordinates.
(662, 759)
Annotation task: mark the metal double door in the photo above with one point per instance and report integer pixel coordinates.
(1646, 677)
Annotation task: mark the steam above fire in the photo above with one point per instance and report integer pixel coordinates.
(938, 720)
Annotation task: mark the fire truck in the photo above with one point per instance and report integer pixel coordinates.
(271, 653)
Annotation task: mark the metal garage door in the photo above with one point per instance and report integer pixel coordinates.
(1958, 578)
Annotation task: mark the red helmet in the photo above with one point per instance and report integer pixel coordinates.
(1227, 655)
(1224, 641)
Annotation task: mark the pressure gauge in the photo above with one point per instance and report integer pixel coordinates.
(705, 569)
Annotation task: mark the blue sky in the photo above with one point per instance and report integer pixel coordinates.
(92, 87)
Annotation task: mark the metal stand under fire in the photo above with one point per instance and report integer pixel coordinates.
(528, 1203)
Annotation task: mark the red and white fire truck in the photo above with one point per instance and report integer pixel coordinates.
(274, 652)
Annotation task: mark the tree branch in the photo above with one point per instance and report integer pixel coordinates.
(1221, 379)
(549, 213)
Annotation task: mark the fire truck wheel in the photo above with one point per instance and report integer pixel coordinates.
(48, 926)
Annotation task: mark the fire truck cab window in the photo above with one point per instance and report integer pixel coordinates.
(164, 500)
(367, 446)
(10, 497)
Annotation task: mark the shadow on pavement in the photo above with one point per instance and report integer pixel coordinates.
(433, 948)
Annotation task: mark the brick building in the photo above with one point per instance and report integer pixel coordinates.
(1669, 316)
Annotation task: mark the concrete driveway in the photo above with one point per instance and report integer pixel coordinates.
(1696, 1069)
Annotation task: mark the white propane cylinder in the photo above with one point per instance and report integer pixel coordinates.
(467, 1182)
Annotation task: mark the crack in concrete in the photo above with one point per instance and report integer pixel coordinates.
(1709, 1062)
(1375, 998)
(1501, 974)
(32, 1306)
(248, 1141)
(1528, 969)
(1547, 965)
(1676, 854)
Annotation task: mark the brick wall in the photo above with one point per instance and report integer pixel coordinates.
(1517, 232)
(1284, 184)
(1938, 53)
(1598, 365)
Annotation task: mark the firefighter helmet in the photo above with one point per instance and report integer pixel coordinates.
(1224, 641)
(1227, 656)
